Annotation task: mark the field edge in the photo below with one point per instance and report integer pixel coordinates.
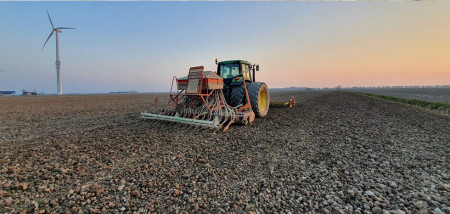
(437, 107)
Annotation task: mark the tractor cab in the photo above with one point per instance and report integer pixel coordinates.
(234, 72)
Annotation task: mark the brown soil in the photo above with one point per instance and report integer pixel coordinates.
(333, 152)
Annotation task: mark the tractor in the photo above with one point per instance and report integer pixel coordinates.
(216, 99)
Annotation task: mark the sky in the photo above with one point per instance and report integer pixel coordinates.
(140, 46)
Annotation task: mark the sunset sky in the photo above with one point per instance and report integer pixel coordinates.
(123, 46)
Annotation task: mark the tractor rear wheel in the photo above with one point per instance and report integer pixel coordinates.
(237, 95)
(258, 93)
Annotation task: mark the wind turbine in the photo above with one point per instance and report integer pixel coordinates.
(58, 62)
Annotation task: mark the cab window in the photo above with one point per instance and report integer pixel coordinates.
(247, 68)
(246, 71)
(229, 70)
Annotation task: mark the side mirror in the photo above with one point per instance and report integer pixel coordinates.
(257, 67)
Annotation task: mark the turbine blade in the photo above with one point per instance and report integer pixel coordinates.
(58, 28)
(50, 19)
(48, 38)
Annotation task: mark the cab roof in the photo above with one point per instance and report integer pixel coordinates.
(235, 61)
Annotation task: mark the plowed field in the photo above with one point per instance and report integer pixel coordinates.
(334, 152)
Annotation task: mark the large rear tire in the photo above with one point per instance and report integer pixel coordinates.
(258, 93)
(237, 95)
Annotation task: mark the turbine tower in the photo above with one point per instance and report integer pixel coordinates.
(58, 62)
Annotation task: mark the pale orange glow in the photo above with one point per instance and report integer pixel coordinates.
(410, 46)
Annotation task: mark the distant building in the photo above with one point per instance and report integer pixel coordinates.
(7, 93)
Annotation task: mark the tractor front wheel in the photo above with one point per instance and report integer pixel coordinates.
(258, 93)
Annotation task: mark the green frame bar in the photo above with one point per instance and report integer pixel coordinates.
(212, 124)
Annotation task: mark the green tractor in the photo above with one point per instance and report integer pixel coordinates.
(240, 87)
